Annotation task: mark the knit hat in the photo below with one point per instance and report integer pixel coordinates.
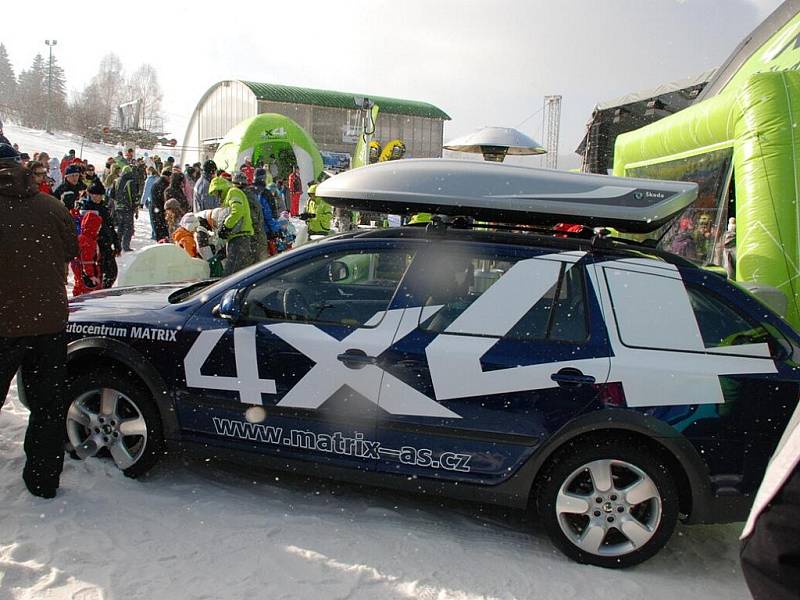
(239, 178)
(260, 176)
(189, 222)
(97, 188)
(209, 167)
(8, 154)
(72, 170)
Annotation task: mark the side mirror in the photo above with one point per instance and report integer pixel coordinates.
(229, 306)
(338, 271)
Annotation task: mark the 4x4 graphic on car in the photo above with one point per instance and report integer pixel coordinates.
(609, 387)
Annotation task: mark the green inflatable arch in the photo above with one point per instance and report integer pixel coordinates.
(754, 129)
(265, 134)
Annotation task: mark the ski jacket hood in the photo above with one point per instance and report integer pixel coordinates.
(91, 224)
(17, 182)
(219, 184)
(239, 220)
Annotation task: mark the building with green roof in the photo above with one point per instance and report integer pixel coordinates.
(330, 117)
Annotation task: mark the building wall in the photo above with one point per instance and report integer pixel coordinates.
(422, 136)
(230, 102)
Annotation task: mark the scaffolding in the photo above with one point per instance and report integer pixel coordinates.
(550, 127)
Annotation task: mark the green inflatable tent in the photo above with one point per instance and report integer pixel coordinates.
(266, 135)
(741, 143)
(749, 137)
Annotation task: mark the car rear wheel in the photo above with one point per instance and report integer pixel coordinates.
(111, 414)
(609, 503)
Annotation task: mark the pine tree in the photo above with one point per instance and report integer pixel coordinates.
(8, 83)
(32, 94)
(58, 101)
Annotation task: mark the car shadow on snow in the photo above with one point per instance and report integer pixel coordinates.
(689, 550)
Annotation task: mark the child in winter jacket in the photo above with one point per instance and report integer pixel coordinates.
(86, 268)
(184, 235)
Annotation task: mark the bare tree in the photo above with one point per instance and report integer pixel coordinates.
(108, 85)
(88, 111)
(143, 85)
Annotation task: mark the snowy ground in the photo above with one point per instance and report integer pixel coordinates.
(200, 530)
(57, 144)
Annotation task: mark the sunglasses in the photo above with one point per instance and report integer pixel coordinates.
(40, 173)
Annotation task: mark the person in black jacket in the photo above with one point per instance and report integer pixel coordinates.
(107, 241)
(38, 242)
(770, 551)
(72, 188)
(157, 205)
(3, 139)
(126, 196)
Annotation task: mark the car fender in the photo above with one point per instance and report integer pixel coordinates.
(616, 420)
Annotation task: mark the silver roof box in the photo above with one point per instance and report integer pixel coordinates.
(501, 193)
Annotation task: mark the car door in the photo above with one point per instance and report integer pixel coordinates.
(301, 355)
(691, 353)
(509, 343)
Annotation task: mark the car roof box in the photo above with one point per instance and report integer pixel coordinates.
(509, 194)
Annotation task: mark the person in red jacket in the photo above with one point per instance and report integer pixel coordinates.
(296, 190)
(68, 160)
(87, 268)
(248, 170)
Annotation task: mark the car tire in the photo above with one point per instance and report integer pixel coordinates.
(111, 413)
(608, 502)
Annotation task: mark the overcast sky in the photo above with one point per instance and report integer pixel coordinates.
(483, 62)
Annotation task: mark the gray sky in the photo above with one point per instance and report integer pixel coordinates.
(483, 62)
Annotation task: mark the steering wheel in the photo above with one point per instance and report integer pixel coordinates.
(295, 305)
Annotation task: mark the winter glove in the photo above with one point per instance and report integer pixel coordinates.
(306, 216)
(87, 281)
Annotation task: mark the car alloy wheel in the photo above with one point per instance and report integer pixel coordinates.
(608, 500)
(111, 414)
(608, 507)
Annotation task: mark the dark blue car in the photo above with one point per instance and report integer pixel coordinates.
(609, 387)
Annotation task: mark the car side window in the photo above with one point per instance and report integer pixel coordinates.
(559, 315)
(720, 324)
(344, 288)
(456, 281)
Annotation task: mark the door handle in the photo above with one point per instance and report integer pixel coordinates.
(356, 359)
(570, 376)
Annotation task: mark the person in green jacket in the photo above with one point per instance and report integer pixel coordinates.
(237, 228)
(320, 213)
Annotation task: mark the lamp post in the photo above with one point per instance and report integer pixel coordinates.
(50, 44)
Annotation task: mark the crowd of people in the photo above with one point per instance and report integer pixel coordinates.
(229, 220)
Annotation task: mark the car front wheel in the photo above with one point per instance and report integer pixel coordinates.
(111, 414)
(609, 503)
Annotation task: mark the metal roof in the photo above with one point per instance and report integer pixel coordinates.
(660, 90)
(298, 95)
